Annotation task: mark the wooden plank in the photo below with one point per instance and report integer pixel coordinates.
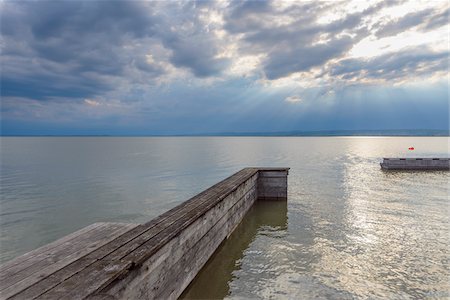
(101, 272)
(21, 260)
(33, 262)
(37, 290)
(63, 255)
(273, 173)
(223, 188)
(264, 169)
(272, 192)
(58, 254)
(272, 182)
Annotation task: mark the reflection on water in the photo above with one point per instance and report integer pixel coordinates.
(265, 218)
(352, 230)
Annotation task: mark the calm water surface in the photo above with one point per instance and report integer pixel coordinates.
(348, 230)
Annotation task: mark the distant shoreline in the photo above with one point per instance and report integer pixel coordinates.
(324, 133)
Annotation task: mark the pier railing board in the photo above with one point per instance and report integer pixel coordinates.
(157, 259)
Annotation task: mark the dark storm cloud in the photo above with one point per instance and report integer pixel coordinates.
(59, 48)
(49, 86)
(65, 31)
(90, 42)
(393, 65)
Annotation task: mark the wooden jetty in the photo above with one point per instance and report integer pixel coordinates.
(155, 260)
(427, 164)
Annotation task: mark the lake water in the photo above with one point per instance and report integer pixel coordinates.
(348, 229)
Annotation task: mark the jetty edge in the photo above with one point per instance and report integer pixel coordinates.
(155, 260)
(426, 164)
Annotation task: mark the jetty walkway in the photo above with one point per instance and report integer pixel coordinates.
(155, 260)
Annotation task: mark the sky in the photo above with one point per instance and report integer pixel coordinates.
(193, 67)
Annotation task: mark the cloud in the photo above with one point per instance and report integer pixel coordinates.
(85, 48)
(407, 22)
(156, 63)
(91, 102)
(439, 19)
(86, 33)
(191, 34)
(420, 61)
(67, 48)
(284, 62)
(424, 20)
(291, 38)
(293, 99)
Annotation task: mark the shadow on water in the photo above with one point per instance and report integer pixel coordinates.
(212, 281)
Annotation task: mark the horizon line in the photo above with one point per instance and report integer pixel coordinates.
(293, 133)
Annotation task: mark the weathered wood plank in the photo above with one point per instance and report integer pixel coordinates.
(273, 174)
(22, 260)
(47, 256)
(265, 169)
(37, 290)
(52, 256)
(272, 193)
(102, 272)
(272, 182)
(67, 252)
